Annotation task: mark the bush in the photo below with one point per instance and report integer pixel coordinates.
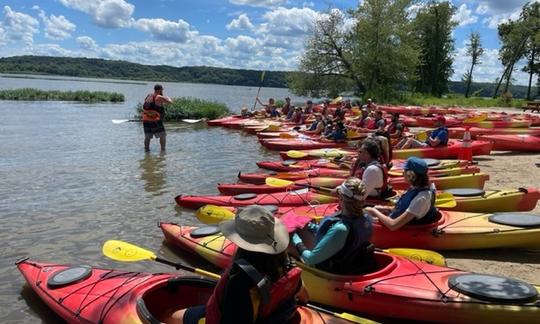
(451, 100)
(190, 108)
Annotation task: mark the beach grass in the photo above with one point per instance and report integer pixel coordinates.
(30, 94)
(191, 108)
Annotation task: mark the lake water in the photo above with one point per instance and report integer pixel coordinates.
(71, 179)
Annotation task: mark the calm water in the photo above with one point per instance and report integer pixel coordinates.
(71, 179)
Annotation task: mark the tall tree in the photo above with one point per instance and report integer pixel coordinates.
(433, 28)
(377, 54)
(475, 51)
(532, 48)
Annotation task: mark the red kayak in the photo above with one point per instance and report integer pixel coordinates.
(458, 132)
(221, 121)
(84, 294)
(282, 144)
(398, 287)
(520, 143)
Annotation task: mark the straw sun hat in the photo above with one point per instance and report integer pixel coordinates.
(256, 229)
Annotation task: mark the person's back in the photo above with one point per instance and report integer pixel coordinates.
(153, 115)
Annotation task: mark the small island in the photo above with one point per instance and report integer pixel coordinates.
(29, 94)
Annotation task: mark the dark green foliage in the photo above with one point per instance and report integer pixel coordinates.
(99, 68)
(35, 94)
(191, 108)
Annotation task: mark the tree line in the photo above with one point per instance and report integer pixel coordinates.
(391, 48)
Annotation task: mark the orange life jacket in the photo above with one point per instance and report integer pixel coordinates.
(150, 109)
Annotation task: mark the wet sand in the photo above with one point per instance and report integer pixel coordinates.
(506, 170)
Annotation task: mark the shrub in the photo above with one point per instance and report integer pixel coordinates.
(190, 108)
(30, 94)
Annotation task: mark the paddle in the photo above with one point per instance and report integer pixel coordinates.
(121, 121)
(192, 121)
(336, 100)
(299, 154)
(422, 136)
(258, 91)
(212, 214)
(476, 119)
(126, 252)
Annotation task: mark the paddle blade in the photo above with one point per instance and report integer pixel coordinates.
(337, 100)
(212, 214)
(355, 319)
(445, 200)
(426, 256)
(119, 121)
(296, 154)
(122, 251)
(275, 182)
(422, 136)
(287, 135)
(476, 119)
(191, 121)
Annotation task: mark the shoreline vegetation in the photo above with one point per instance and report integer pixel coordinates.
(190, 108)
(30, 94)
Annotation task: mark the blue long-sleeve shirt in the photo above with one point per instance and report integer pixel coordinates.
(332, 242)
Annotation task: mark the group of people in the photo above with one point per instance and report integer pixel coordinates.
(263, 285)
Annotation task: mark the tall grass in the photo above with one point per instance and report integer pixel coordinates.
(191, 108)
(30, 94)
(451, 100)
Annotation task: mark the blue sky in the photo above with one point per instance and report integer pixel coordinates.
(251, 34)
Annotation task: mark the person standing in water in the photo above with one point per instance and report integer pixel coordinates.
(152, 116)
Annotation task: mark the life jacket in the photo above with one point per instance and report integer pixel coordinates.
(313, 126)
(405, 200)
(298, 118)
(285, 109)
(272, 302)
(385, 190)
(357, 254)
(151, 111)
(362, 122)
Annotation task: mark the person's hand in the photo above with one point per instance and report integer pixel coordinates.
(296, 239)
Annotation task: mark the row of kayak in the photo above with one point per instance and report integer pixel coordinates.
(399, 287)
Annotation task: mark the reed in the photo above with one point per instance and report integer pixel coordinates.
(191, 108)
(30, 94)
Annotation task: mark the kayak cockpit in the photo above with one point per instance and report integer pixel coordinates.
(161, 301)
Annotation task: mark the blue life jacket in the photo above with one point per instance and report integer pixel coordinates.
(405, 200)
(356, 256)
(313, 126)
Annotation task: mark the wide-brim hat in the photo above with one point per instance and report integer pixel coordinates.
(255, 229)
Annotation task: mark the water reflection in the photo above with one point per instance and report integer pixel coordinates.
(153, 169)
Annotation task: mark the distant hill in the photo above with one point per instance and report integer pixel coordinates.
(100, 68)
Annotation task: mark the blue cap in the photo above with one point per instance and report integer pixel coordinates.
(417, 165)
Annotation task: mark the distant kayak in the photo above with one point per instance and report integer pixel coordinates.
(518, 143)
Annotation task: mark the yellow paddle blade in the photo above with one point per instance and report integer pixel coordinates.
(336, 100)
(395, 173)
(212, 214)
(347, 316)
(476, 119)
(287, 135)
(296, 154)
(427, 256)
(122, 251)
(351, 133)
(422, 136)
(445, 200)
(273, 128)
(275, 182)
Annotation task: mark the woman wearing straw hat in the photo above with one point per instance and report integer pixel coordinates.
(416, 205)
(262, 284)
(342, 242)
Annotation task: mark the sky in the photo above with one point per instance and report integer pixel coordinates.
(245, 34)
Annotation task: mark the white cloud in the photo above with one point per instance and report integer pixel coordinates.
(87, 43)
(490, 69)
(258, 3)
(242, 45)
(56, 27)
(501, 6)
(106, 13)
(494, 21)
(17, 26)
(294, 22)
(464, 16)
(482, 9)
(161, 29)
(242, 22)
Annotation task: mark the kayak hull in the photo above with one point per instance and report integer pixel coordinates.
(413, 289)
(517, 143)
(121, 297)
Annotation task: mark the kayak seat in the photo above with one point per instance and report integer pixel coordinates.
(158, 304)
(466, 192)
(515, 219)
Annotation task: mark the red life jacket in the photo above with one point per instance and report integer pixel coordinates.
(150, 109)
(283, 290)
(358, 172)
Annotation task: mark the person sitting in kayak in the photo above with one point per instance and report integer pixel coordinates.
(262, 284)
(286, 106)
(378, 122)
(267, 107)
(338, 134)
(317, 126)
(308, 109)
(369, 169)
(298, 116)
(416, 205)
(362, 122)
(395, 128)
(438, 137)
(340, 243)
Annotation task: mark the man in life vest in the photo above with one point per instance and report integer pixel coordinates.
(152, 115)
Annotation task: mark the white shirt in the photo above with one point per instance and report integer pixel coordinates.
(421, 204)
(373, 179)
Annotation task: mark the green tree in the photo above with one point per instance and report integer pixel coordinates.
(433, 28)
(475, 51)
(378, 55)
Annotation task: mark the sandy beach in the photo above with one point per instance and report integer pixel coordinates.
(506, 170)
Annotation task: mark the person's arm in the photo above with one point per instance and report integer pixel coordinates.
(163, 99)
(332, 242)
(391, 223)
(434, 141)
